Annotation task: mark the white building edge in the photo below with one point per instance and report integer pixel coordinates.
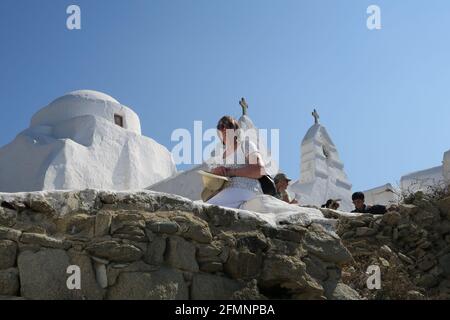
(423, 180)
(84, 139)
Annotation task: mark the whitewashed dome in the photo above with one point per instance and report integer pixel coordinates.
(87, 102)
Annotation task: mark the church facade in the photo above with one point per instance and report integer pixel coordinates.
(322, 174)
(84, 139)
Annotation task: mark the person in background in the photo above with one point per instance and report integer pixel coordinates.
(360, 206)
(332, 204)
(281, 183)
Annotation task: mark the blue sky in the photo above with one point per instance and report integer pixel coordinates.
(383, 95)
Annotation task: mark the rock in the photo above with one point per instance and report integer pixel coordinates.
(286, 247)
(126, 219)
(316, 267)
(444, 263)
(9, 234)
(11, 298)
(427, 218)
(220, 216)
(8, 252)
(447, 238)
(43, 275)
(9, 282)
(254, 241)
(164, 284)
(181, 254)
(395, 234)
(14, 204)
(133, 233)
(8, 217)
(348, 235)
(326, 246)
(243, 264)
(103, 221)
(365, 232)
(391, 218)
(444, 206)
(129, 226)
(287, 272)
(39, 204)
(384, 262)
(249, 292)
(99, 260)
(100, 274)
(444, 289)
(81, 225)
(443, 227)
(211, 287)
(426, 263)
(208, 253)
(343, 292)
(211, 267)
(107, 197)
(227, 238)
(115, 251)
(405, 258)
(386, 250)
(408, 209)
(194, 228)
(167, 227)
(414, 295)
(43, 240)
(224, 254)
(357, 223)
(91, 288)
(293, 233)
(155, 251)
(427, 281)
(114, 270)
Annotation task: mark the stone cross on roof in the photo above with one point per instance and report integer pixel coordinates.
(316, 116)
(244, 106)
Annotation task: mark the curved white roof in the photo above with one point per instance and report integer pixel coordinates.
(86, 102)
(88, 94)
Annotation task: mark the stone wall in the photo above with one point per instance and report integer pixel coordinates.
(149, 245)
(410, 244)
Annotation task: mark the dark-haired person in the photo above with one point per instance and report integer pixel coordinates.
(242, 162)
(360, 207)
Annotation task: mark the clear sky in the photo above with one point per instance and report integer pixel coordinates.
(384, 95)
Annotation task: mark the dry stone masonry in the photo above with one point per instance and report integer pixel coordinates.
(149, 245)
(410, 244)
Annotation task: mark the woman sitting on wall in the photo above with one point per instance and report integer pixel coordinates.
(241, 162)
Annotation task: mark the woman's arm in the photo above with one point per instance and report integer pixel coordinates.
(254, 170)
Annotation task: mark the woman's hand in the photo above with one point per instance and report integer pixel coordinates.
(220, 171)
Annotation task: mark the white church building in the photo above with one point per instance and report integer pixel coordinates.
(84, 139)
(322, 174)
(87, 139)
(422, 180)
